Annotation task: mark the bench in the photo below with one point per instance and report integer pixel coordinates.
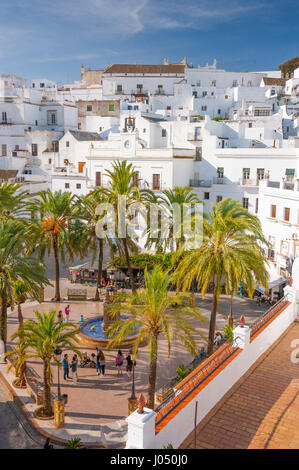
(76, 294)
(35, 390)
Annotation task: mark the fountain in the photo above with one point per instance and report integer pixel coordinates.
(93, 331)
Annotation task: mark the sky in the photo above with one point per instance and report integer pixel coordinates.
(52, 38)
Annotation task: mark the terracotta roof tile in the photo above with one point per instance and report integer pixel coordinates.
(145, 69)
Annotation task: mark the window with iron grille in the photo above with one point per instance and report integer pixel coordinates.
(156, 181)
(245, 202)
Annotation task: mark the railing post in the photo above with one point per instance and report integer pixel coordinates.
(242, 336)
(141, 429)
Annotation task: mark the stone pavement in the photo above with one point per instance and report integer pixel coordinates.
(97, 406)
(261, 411)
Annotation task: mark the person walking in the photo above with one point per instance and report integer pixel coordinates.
(119, 362)
(129, 364)
(98, 351)
(102, 363)
(77, 361)
(59, 316)
(74, 366)
(65, 366)
(67, 313)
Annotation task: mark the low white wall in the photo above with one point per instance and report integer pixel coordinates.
(176, 431)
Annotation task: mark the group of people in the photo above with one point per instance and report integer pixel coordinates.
(97, 361)
(73, 366)
(66, 314)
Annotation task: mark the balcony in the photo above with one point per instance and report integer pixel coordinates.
(194, 136)
(200, 183)
(219, 180)
(139, 91)
(248, 182)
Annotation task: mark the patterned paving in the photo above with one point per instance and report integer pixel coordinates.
(262, 409)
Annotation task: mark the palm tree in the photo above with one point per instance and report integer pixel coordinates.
(15, 266)
(19, 355)
(173, 204)
(12, 201)
(231, 250)
(155, 312)
(41, 337)
(54, 227)
(123, 182)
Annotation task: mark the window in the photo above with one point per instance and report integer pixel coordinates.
(81, 165)
(271, 249)
(4, 116)
(156, 181)
(245, 202)
(218, 199)
(51, 118)
(4, 150)
(246, 173)
(226, 97)
(284, 247)
(36, 122)
(144, 130)
(168, 108)
(213, 82)
(204, 93)
(273, 211)
(98, 178)
(89, 107)
(140, 86)
(235, 83)
(55, 146)
(198, 83)
(136, 179)
(163, 132)
(250, 124)
(42, 85)
(262, 112)
(194, 93)
(220, 172)
(111, 107)
(67, 185)
(287, 213)
(78, 186)
(34, 150)
(100, 129)
(260, 173)
(219, 111)
(49, 161)
(67, 144)
(290, 173)
(204, 108)
(160, 87)
(119, 88)
(256, 205)
(33, 85)
(206, 196)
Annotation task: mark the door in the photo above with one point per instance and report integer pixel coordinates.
(98, 178)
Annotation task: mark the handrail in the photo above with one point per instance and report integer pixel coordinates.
(260, 322)
(196, 378)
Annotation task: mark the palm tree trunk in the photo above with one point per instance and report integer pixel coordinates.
(153, 372)
(20, 316)
(3, 317)
(57, 275)
(100, 268)
(22, 375)
(129, 266)
(212, 326)
(47, 390)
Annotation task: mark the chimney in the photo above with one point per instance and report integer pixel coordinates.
(82, 71)
(165, 61)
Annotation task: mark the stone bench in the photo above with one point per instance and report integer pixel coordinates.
(77, 294)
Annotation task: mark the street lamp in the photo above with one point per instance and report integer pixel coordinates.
(133, 396)
(57, 356)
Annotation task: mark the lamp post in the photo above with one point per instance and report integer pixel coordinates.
(57, 356)
(59, 414)
(132, 405)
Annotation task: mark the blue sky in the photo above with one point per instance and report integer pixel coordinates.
(51, 38)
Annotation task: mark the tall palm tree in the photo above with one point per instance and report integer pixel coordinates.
(54, 228)
(41, 337)
(231, 251)
(123, 183)
(12, 201)
(15, 266)
(173, 204)
(155, 312)
(89, 205)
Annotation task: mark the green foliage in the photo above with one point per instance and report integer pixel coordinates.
(182, 372)
(289, 66)
(145, 260)
(228, 333)
(74, 443)
(169, 446)
(218, 118)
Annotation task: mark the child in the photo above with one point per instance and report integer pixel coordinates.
(119, 362)
(67, 313)
(59, 316)
(81, 318)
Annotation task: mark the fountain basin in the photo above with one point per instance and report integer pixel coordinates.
(92, 334)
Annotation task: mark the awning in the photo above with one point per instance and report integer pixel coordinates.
(76, 268)
(274, 281)
(290, 171)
